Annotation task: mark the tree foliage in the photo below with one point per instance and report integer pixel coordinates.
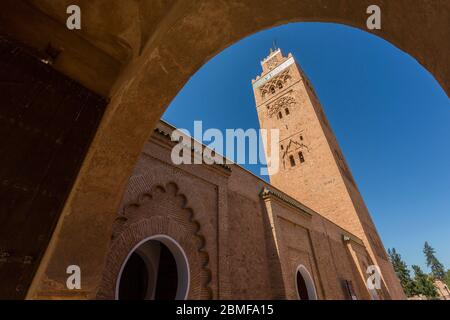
(437, 268)
(402, 271)
(447, 278)
(424, 283)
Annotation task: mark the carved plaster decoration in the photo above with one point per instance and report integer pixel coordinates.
(293, 145)
(280, 104)
(277, 83)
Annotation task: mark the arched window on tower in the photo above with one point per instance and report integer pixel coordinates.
(280, 85)
(292, 160)
(263, 93)
(287, 111)
(272, 89)
(301, 157)
(280, 115)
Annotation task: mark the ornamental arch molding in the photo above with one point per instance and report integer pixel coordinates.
(140, 220)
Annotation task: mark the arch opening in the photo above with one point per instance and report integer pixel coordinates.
(156, 269)
(306, 289)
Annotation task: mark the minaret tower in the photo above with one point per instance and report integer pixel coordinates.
(312, 167)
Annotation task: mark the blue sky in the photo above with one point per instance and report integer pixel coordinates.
(390, 116)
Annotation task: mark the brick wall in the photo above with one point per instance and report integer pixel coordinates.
(241, 243)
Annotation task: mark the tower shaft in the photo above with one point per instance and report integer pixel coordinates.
(312, 167)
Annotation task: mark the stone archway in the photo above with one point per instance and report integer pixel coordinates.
(157, 268)
(306, 289)
(142, 44)
(144, 221)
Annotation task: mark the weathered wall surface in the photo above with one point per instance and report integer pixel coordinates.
(247, 249)
(47, 122)
(256, 257)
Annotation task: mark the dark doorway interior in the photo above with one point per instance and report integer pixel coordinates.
(167, 283)
(137, 282)
(301, 287)
(134, 281)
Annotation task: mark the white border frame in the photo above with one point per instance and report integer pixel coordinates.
(182, 262)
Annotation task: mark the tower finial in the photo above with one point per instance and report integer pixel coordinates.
(274, 47)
